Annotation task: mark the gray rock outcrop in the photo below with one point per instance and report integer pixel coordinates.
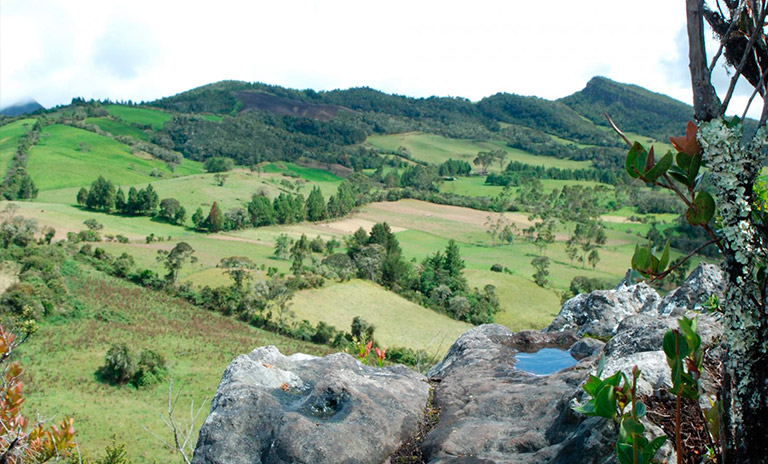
(271, 408)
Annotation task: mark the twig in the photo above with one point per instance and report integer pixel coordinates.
(617, 130)
(684, 259)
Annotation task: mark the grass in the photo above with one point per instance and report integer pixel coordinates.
(62, 358)
(524, 305)
(60, 152)
(118, 127)
(136, 115)
(436, 149)
(9, 140)
(398, 321)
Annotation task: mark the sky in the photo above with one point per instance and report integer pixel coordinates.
(54, 50)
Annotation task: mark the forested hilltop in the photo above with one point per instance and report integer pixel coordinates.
(264, 122)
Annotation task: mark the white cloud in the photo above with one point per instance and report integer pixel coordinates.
(54, 50)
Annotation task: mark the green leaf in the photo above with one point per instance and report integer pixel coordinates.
(605, 402)
(660, 168)
(702, 210)
(693, 170)
(653, 447)
(683, 161)
(639, 410)
(679, 174)
(730, 124)
(632, 427)
(664, 260)
(624, 452)
(588, 408)
(636, 160)
(593, 385)
(641, 260)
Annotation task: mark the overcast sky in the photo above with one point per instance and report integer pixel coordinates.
(142, 50)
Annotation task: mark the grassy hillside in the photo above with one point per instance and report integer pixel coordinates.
(62, 359)
(435, 149)
(117, 127)
(84, 156)
(144, 116)
(398, 321)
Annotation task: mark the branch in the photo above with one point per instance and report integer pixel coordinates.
(684, 259)
(617, 130)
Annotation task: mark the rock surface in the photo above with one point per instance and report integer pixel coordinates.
(271, 408)
(599, 313)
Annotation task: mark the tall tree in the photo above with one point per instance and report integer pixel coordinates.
(175, 258)
(316, 207)
(215, 221)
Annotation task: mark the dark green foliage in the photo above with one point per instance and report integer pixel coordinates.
(18, 230)
(172, 211)
(316, 206)
(150, 369)
(101, 195)
(261, 211)
(218, 164)
(454, 167)
(215, 220)
(119, 365)
(82, 196)
(541, 265)
(174, 259)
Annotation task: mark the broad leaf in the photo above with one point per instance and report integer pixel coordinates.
(605, 402)
(702, 210)
(636, 160)
(660, 168)
(664, 260)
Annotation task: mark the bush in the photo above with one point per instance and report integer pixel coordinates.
(119, 365)
(150, 370)
(497, 268)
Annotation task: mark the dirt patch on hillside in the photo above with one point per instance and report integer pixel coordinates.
(350, 225)
(288, 107)
(448, 213)
(230, 238)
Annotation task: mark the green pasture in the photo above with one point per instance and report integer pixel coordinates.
(60, 161)
(524, 305)
(436, 149)
(118, 127)
(137, 115)
(398, 321)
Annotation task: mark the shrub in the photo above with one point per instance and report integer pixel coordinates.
(497, 268)
(119, 365)
(150, 370)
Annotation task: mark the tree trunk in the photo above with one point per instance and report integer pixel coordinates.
(734, 169)
(705, 102)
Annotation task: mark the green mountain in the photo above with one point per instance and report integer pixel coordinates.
(633, 108)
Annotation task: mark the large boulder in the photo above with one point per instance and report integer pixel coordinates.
(271, 408)
(704, 281)
(599, 313)
(492, 412)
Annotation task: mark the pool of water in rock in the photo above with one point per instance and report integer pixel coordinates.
(545, 361)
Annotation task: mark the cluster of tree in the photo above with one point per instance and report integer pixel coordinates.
(102, 196)
(454, 168)
(18, 185)
(516, 171)
(437, 282)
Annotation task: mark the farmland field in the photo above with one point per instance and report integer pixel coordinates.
(154, 118)
(436, 149)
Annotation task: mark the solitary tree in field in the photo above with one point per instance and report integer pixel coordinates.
(174, 259)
